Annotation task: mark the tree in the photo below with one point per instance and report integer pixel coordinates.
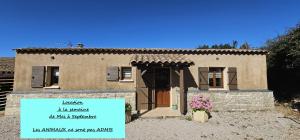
(219, 46)
(203, 46)
(245, 46)
(283, 62)
(284, 51)
(234, 44)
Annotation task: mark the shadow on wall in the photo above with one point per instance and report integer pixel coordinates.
(285, 83)
(188, 80)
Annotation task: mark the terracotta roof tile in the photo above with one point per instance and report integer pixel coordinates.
(138, 50)
(160, 59)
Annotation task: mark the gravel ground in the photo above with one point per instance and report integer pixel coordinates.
(222, 125)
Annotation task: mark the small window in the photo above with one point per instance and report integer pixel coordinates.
(126, 73)
(215, 77)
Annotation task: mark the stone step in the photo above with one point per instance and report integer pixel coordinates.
(2, 97)
(6, 82)
(161, 113)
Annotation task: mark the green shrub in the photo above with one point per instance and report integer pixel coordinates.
(189, 118)
(128, 107)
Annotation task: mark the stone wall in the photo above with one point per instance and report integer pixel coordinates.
(13, 99)
(236, 100)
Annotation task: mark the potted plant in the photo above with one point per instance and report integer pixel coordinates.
(128, 109)
(174, 107)
(201, 107)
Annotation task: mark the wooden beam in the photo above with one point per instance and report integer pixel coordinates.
(181, 86)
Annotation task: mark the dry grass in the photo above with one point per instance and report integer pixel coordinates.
(287, 111)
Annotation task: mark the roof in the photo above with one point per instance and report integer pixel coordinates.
(160, 59)
(137, 50)
(7, 63)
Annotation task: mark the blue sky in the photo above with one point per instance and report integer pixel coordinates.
(142, 23)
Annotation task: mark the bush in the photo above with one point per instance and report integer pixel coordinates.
(189, 118)
(128, 107)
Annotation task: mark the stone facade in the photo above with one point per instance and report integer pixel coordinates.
(13, 100)
(222, 100)
(236, 100)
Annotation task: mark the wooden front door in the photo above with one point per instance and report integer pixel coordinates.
(162, 87)
(162, 97)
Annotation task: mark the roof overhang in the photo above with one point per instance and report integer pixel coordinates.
(138, 51)
(160, 59)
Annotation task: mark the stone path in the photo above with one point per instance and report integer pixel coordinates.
(161, 112)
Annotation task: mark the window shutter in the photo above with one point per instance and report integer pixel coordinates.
(203, 77)
(48, 76)
(37, 79)
(232, 77)
(112, 73)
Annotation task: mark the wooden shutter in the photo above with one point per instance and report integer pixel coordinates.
(48, 76)
(144, 98)
(203, 78)
(145, 86)
(112, 73)
(37, 79)
(232, 77)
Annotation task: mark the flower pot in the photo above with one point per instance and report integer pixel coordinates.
(200, 116)
(128, 116)
(174, 107)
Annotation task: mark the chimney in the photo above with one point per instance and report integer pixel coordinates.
(80, 45)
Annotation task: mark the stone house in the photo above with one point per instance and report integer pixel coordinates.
(235, 79)
(6, 79)
(7, 65)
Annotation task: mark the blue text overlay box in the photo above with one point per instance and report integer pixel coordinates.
(72, 118)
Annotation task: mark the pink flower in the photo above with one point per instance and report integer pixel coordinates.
(201, 103)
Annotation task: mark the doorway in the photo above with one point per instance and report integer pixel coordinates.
(162, 87)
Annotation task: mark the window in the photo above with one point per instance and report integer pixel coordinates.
(215, 77)
(47, 77)
(126, 73)
(52, 76)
